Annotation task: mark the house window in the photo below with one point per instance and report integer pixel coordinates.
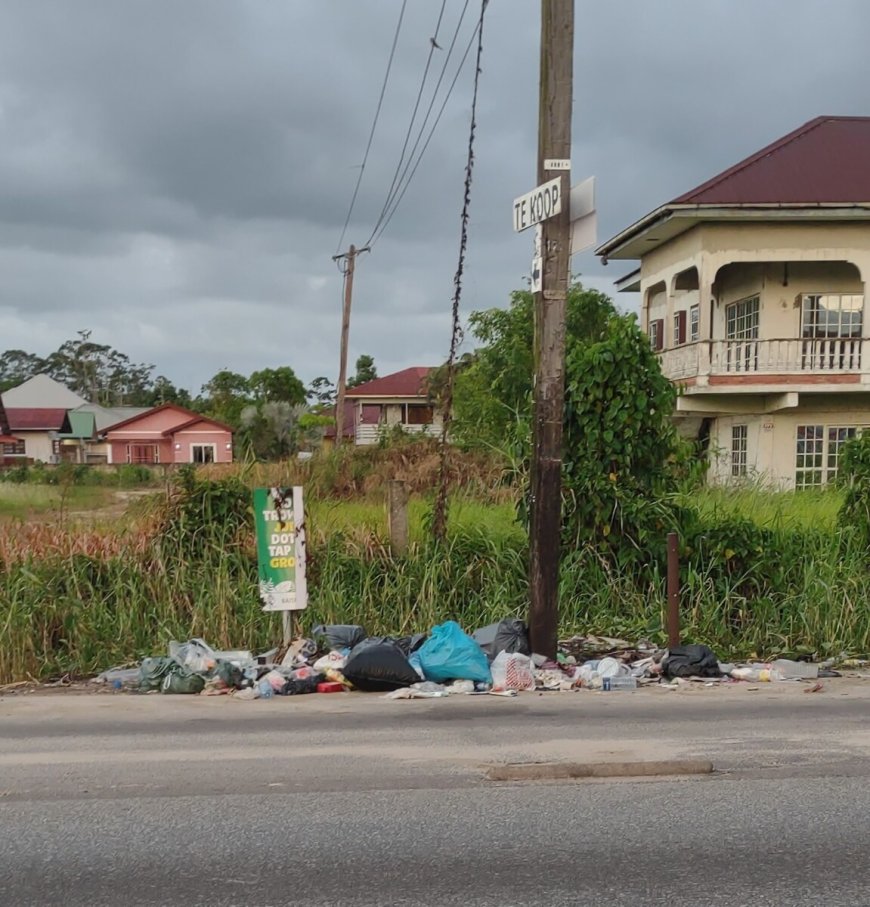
(679, 328)
(143, 453)
(738, 450)
(694, 324)
(15, 449)
(419, 414)
(831, 326)
(831, 315)
(741, 332)
(818, 452)
(657, 334)
(202, 453)
(741, 320)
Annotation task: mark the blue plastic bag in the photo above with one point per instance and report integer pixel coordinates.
(451, 654)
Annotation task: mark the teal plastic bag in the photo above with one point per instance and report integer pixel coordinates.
(451, 654)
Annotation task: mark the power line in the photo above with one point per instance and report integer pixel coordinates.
(374, 124)
(439, 521)
(398, 201)
(391, 197)
(432, 46)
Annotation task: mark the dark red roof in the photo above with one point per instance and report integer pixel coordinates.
(33, 419)
(6, 439)
(827, 160)
(410, 382)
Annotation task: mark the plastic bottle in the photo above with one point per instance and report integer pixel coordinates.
(619, 682)
(265, 688)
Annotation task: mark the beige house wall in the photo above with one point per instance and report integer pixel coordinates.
(772, 437)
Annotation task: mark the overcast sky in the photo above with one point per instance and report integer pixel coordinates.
(175, 174)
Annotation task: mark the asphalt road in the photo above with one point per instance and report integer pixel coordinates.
(353, 800)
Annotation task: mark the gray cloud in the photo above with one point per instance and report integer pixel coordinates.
(175, 175)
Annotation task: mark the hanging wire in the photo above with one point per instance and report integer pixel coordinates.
(362, 168)
(433, 44)
(439, 521)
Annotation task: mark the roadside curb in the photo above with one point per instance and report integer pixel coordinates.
(556, 771)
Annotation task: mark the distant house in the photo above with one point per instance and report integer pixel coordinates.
(397, 401)
(169, 434)
(81, 437)
(35, 411)
(11, 448)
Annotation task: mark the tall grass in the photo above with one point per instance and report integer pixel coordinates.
(79, 600)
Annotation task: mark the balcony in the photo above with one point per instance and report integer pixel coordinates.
(813, 358)
(372, 434)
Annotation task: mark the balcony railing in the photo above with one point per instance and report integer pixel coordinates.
(371, 434)
(795, 356)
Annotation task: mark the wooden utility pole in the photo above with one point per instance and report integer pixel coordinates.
(350, 257)
(554, 143)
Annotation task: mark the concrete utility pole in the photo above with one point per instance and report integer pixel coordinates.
(350, 257)
(554, 143)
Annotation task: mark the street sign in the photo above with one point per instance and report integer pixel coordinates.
(278, 518)
(584, 219)
(556, 164)
(538, 205)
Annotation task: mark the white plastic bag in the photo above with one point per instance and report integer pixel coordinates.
(334, 661)
(512, 671)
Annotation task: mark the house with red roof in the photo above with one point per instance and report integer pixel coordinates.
(400, 401)
(753, 295)
(169, 434)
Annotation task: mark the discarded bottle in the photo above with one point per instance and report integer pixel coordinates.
(757, 675)
(619, 682)
(265, 688)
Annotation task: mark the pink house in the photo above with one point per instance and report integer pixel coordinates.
(169, 434)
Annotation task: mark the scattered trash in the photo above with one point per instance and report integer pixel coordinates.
(425, 690)
(815, 688)
(512, 671)
(461, 686)
(339, 636)
(379, 664)
(334, 660)
(329, 686)
(690, 661)
(618, 682)
(451, 654)
(510, 635)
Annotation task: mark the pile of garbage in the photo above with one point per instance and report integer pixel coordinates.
(494, 660)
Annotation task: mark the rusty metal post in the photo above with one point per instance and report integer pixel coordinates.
(673, 590)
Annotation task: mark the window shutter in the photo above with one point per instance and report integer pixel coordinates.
(680, 327)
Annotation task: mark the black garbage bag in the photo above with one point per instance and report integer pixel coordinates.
(410, 644)
(297, 686)
(510, 635)
(231, 675)
(690, 661)
(379, 664)
(333, 637)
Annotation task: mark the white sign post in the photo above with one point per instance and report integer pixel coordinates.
(538, 205)
(584, 219)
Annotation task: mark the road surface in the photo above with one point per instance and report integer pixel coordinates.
(108, 800)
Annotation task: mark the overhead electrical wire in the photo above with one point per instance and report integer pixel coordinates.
(374, 125)
(378, 232)
(433, 45)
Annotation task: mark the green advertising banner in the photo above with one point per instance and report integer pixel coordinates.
(279, 521)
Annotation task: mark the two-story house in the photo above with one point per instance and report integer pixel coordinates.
(752, 293)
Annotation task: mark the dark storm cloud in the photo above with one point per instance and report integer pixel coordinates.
(175, 174)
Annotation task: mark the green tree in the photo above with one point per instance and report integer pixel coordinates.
(365, 371)
(272, 385)
(225, 396)
(493, 390)
(321, 394)
(16, 366)
(621, 447)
